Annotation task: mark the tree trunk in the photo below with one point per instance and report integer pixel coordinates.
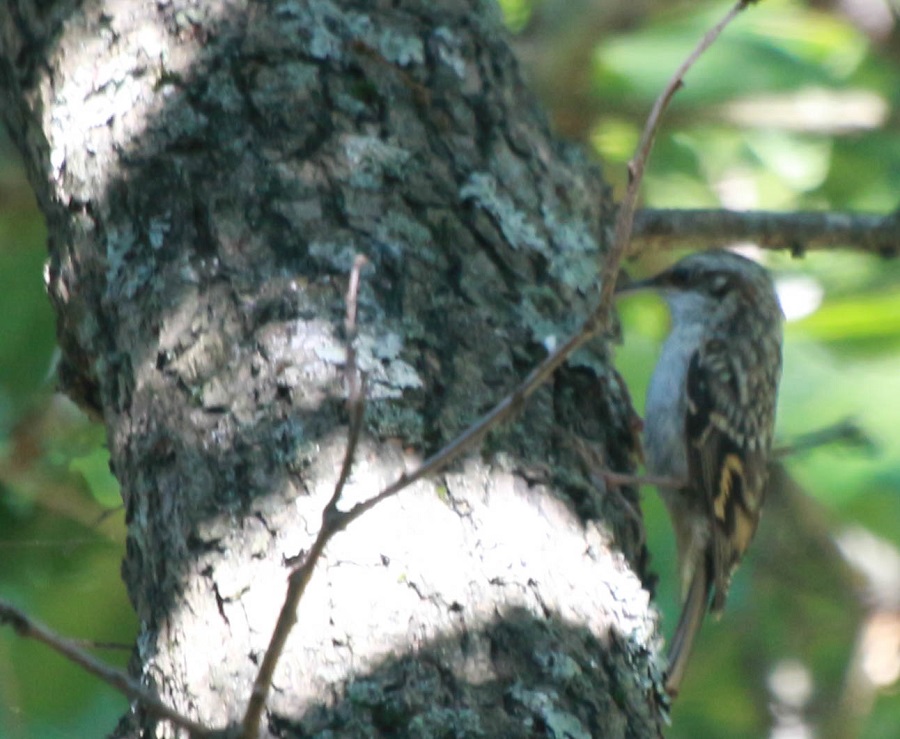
(208, 172)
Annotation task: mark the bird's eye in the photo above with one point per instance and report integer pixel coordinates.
(718, 285)
(679, 276)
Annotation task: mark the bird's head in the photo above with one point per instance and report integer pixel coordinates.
(711, 281)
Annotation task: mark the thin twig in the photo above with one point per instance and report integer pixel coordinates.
(111, 646)
(625, 218)
(27, 627)
(846, 432)
(477, 431)
(73, 542)
(333, 520)
(350, 368)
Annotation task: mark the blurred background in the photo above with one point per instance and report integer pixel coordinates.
(794, 108)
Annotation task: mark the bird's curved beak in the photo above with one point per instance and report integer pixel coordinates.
(625, 285)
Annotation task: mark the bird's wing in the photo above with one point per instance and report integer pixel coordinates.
(724, 457)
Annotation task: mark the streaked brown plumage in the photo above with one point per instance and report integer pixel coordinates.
(709, 421)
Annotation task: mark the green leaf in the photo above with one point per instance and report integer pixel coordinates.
(94, 467)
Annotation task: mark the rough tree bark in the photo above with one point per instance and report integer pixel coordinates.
(207, 172)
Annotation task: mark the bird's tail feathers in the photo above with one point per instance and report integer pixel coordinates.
(692, 613)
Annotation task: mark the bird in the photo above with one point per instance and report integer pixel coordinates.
(709, 422)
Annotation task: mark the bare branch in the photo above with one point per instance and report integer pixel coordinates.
(333, 519)
(478, 430)
(846, 432)
(351, 372)
(297, 582)
(625, 218)
(27, 627)
(797, 232)
(356, 386)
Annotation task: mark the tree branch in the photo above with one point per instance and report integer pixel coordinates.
(847, 433)
(27, 627)
(798, 232)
